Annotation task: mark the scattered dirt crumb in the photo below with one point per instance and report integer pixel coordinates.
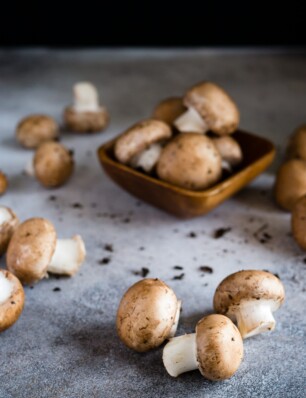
(206, 268)
(192, 235)
(178, 267)
(178, 277)
(221, 232)
(52, 198)
(77, 205)
(31, 287)
(141, 249)
(109, 248)
(205, 284)
(57, 289)
(126, 220)
(143, 272)
(104, 261)
(304, 261)
(71, 152)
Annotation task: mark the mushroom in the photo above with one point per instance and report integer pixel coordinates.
(290, 183)
(8, 223)
(86, 115)
(190, 161)
(210, 108)
(230, 151)
(11, 299)
(298, 222)
(250, 297)
(33, 130)
(297, 144)
(140, 146)
(148, 314)
(35, 250)
(3, 183)
(53, 164)
(216, 349)
(169, 110)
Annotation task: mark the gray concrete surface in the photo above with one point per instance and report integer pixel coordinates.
(65, 343)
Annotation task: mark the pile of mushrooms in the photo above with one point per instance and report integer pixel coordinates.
(174, 144)
(149, 311)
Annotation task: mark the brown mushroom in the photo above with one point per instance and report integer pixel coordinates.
(53, 164)
(11, 299)
(8, 223)
(169, 110)
(33, 130)
(190, 161)
(216, 349)
(250, 297)
(210, 108)
(148, 314)
(298, 222)
(229, 149)
(86, 115)
(297, 144)
(3, 183)
(35, 250)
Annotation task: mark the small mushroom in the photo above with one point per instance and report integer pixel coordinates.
(190, 161)
(216, 349)
(210, 108)
(140, 146)
(290, 183)
(250, 297)
(53, 164)
(297, 144)
(230, 151)
(148, 314)
(169, 110)
(8, 223)
(11, 299)
(3, 183)
(35, 250)
(33, 130)
(298, 222)
(86, 115)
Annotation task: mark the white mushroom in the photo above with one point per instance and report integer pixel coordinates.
(8, 223)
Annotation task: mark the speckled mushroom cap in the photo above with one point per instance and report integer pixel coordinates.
(219, 347)
(33, 130)
(215, 106)
(229, 149)
(298, 222)
(139, 137)
(169, 109)
(190, 161)
(297, 144)
(30, 249)
(53, 164)
(146, 314)
(248, 285)
(86, 122)
(8, 224)
(3, 183)
(12, 306)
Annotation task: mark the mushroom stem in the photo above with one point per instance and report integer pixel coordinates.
(85, 98)
(6, 288)
(226, 166)
(191, 122)
(29, 168)
(148, 158)
(180, 355)
(254, 317)
(68, 256)
(176, 319)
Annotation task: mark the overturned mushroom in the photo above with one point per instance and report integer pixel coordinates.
(216, 349)
(3, 183)
(11, 299)
(190, 161)
(297, 144)
(169, 110)
(8, 223)
(250, 297)
(33, 130)
(86, 115)
(298, 222)
(35, 250)
(230, 151)
(210, 108)
(148, 314)
(141, 145)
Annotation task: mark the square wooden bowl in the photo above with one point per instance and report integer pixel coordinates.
(258, 154)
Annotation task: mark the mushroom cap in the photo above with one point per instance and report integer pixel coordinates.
(86, 122)
(169, 109)
(190, 161)
(53, 164)
(33, 130)
(248, 285)
(139, 137)
(290, 183)
(298, 222)
(215, 106)
(8, 224)
(30, 249)
(229, 149)
(297, 144)
(146, 314)
(3, 183)
(11, 307)
(219, 347)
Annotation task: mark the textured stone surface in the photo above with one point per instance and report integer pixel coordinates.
(65, 343)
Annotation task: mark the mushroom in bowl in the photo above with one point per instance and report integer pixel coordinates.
(169, 110)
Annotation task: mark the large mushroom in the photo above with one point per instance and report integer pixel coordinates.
(86, 115)
(210, 108)
(250, 297)
(3, 183)
(148, 314)
(169, 110)
(140, 146)
(216, 349)
(190, 161)
(34, 250)
(296, 148)
(298, 222)
(11, 299)
(8, 223)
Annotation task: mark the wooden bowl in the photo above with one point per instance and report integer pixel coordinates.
(258, 154)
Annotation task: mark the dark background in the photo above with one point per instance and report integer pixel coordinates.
(161, 24)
